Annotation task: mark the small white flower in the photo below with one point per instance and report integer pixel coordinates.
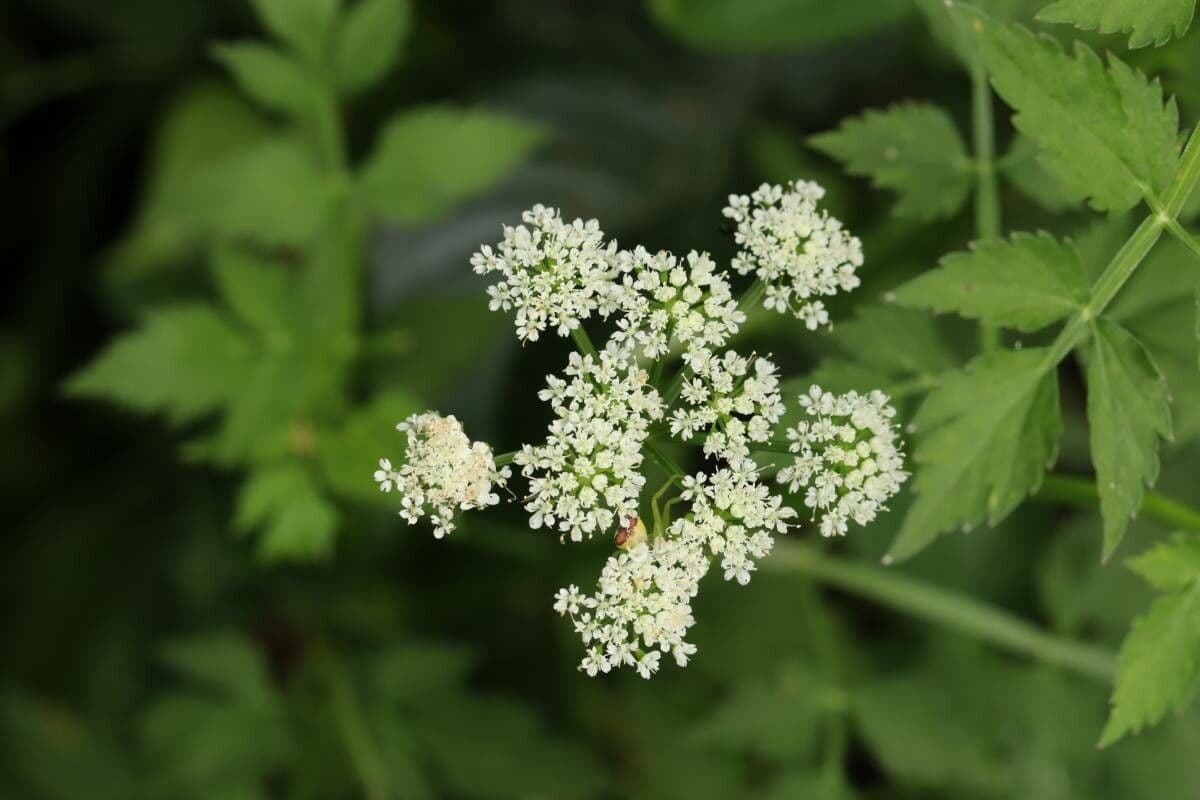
(664, 300)
(732, 401)
(444, 472)
(847, 457)
(586, 476)
(553, 273)
(799, 251)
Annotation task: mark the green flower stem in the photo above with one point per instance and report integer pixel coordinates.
(1183, 236)
(1130, 256)
(753, 296)
(583, 341)
(504, 459)
(351, 724)
(942, 607)
(987, 193)
(1082, 492)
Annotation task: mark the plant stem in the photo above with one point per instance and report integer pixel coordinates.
(351, 725)
(1082, 492)
(504, 459)
(583, 341)
(987, 193)
(946, 608)
(668, 465)
(1181, 234)
(753, 294)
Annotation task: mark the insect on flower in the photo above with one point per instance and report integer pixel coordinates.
(631, 534)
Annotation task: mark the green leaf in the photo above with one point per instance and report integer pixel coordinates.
(189, 748)
(988, 433)
(1170, 566)
(1025, 282)
(1127, 414)
(368, 42)
(184, 361)
(270, 77)
(1106, 134)
(350, 455)
(913, 149)
(297, 521)
(770, 24)
(1146, 21)
(884, 347)
(428, 160)
(778, 719)
(258, 291)
(948, 26)
(1159, 664)
(1023, 169)
(303, 24)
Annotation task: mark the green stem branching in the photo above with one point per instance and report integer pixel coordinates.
(1082, 492)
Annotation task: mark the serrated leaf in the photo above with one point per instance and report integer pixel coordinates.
(184, 361)
(1146, 21)
(1127, 414)
(1025, 172)
(270, 77)
(257, 290)
(1170, 566)
(1024, 282)
(913, 149)
(1105, 133)
(770, 24)
(368, 42)
(303, 24)
(1159, 665)
(987, 435)
(297, 521)
(430, 159)
(186, 733)
(948, 28)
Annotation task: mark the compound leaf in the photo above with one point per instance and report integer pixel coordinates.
(368, 42)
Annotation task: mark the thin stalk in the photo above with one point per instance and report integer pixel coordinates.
(1082, 492)
(987, 192)
(583, 341)
(663, 460)
(1183, 236)
(949, 609)
(753, 294)
(504, 459)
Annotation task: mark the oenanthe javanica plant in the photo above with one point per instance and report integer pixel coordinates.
(1089, 129)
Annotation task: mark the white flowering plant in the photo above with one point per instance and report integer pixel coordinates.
(665, 383)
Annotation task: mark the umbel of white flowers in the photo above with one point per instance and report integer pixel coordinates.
(609, 407)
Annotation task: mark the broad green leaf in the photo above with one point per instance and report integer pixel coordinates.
(777, 719)
(350, 455)
(258, 291)
(774, 25)
(297, 521)
(303, 24)
(428, 160)
(885, 347)
(202, 126)
(1146, 21)
(810, 785)
(1158, 668)
(1025, 282)
(270, 77)
(1127, 414)
(1104, 133)
(368, 42)
(987, 435)
(184, 361)
(190, 749)
(913, 149)
(1025, 172)
(1170, 566)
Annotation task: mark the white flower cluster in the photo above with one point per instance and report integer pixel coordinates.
(799, 251)
(587, 475)
(642, 607)
(847, 457)
(732, 402)
(663, 300)
(444, 471)
(553, 273)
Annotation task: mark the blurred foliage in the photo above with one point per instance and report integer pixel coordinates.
(257, 248)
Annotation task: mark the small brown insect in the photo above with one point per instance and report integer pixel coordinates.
(631, 534)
